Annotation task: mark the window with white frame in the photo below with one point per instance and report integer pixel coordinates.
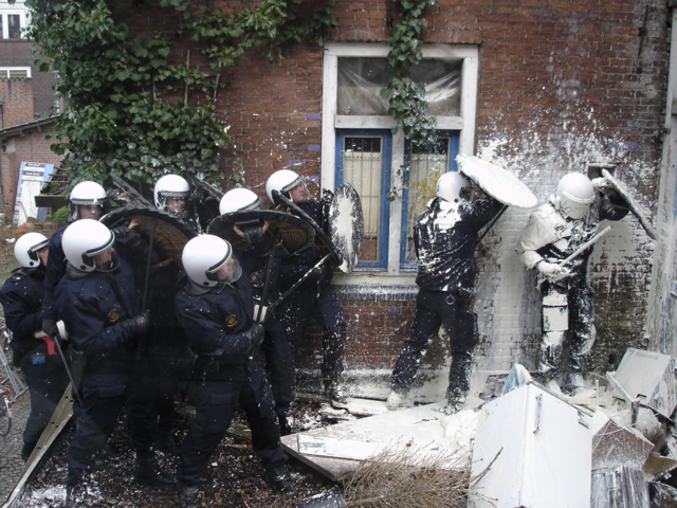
(12, 23)
(357, 131)
(15, 72)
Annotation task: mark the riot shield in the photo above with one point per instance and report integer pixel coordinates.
(496, 182)
(346, 225)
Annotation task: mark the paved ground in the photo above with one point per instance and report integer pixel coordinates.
(10, 445)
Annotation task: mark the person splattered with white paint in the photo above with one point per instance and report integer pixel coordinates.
(555, 231)
(445, 237)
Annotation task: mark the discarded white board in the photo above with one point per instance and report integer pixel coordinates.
(336, 448)
(619, 487)
(531, 450)
(420, 430)
(648, 378)
(614, 444)
(363, 407)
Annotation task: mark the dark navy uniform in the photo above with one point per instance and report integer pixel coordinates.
(55, 270)
(94, 307)
(445, 237)
(316, 298)
(215, 320)
(46, 377)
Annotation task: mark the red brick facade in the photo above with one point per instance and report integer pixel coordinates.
(16, 97)
(554, 76)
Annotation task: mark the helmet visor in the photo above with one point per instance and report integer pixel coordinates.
(574, 209)
(227, 270)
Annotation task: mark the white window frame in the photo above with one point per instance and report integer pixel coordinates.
(5, 72)
(23, 22)
(465, 123)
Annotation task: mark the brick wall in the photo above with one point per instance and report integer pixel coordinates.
(561, 84)
(16, 97)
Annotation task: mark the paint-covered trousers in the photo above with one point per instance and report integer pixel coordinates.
(435, 309)
(322, 304)
(579, 328)
(216, 400)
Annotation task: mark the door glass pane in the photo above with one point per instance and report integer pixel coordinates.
(362, 168)
(14, 26)
(427, 165)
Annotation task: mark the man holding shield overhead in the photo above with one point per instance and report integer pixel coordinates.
(556, 230)
(445, 237)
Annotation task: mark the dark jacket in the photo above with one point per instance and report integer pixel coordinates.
(214, 319)
(445, 237)
(21, 298)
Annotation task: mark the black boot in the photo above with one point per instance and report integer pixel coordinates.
(187, 496)
(147, 471)
(334, 391)
(285, 425)
(279, 478)
(26, 451)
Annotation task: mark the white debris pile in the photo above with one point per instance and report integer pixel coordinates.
(613, 445)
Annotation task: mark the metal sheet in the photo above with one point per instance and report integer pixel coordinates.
(496, 182)
(632, 204)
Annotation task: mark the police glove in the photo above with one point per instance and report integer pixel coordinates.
(137, 325)
(553, 271)
(254, 336)
(120, 231)
(49, 327)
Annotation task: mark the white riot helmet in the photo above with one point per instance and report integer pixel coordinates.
(203, 258)
(83, 240)
(26, 249)
(171, 186)
(282, 181)
(575, 193)
(451, 186)
(239, 200)
(86, 193)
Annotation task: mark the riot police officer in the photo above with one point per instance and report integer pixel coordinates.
(276, 348)
(21, 298)
(556, 230)
(99, 303)
(87, 201)
(315, 297)
(216, 310)
(171, 194)
(445, 237)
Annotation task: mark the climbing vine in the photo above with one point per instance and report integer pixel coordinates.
(406, 98)
(133, 109)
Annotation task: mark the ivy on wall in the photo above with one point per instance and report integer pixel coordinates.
(133, 110)
(406, 98)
